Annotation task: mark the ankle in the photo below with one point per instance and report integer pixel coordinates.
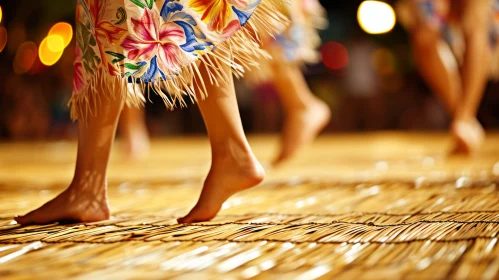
(464, 114)
(231, 151)
(88, 184)
(310, 104)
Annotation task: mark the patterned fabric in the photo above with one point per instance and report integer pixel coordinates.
(299, 43)
(301, 40)
(432, 13)
(158, 42)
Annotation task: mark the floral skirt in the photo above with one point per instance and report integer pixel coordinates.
(127, 44)
(450, 17)
(298, 44)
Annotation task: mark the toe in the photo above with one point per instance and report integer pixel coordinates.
(188, 219)
(24, 220)
(37, 216)
(19, 219)
(196, 215)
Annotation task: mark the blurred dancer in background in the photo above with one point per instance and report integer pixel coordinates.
(456, 48)
(305, 114)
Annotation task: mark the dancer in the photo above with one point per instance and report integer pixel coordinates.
(306, 115)
(161, 44)
(455, 47)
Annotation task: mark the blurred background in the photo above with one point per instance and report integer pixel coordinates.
(369, 80)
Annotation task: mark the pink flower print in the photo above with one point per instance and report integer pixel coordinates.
(149, 39)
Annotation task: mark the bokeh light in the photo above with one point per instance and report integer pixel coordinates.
(334, 55)
(25, 57)
(47, 56)
(3, 38)
(376, 17)
(55, 43)
(64, 30)
(1, 14)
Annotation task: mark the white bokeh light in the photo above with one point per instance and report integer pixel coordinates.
(376, 17)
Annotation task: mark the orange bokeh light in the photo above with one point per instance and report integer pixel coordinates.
(55, 43)
(334, 55)
(25, 57)
(64, 30)
(3, 38)
(47, 56)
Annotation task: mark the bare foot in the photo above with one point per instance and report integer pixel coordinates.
(75, 204)
(469, 136)
(301, 127)
(227, 176)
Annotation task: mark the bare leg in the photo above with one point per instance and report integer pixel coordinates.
(438, 66)
(467, 131)
(134, 132)
(233, 167)
(306, 115)
(85, 200)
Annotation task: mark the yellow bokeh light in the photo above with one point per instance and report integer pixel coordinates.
(1, 14)
(55, 43)
(64, 30)
(376, 17)
(47, 56)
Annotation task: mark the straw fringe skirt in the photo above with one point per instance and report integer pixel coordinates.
(452, 18)
(125, 45)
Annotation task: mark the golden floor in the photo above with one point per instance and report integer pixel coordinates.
(377, 206)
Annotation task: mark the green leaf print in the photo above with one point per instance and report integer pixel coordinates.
(116, 60)
(132, 66)
(92, 40)
(139, 3)
(83, 36)
(150, 3)
(118, 56)
(91, 60)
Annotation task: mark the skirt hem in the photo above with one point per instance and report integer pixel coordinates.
(240, 52)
